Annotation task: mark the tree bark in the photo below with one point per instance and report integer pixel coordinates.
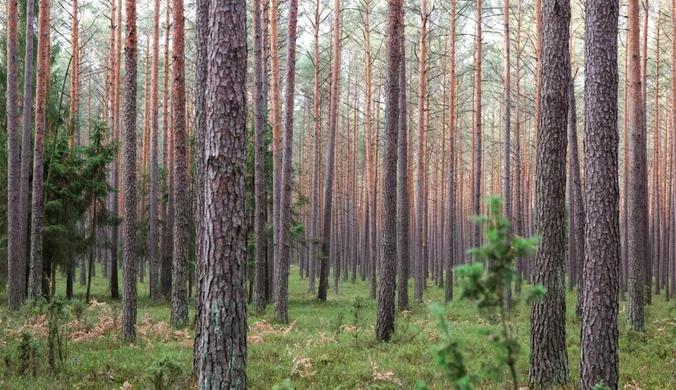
(637, 206)
(549, 357)
(224, 312)
(388, 267)
(259, 101)
(421, 172)
(403, 204)
(129, 174)
(27, 127)
(16, 262)
(37, 207)
(179, 278)
(476, 195)
(599, 342)
(331, 151)
(153, 236)
(284, 246)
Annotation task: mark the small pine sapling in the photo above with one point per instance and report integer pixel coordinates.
(485, 282)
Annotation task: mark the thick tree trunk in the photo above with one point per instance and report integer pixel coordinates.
(37, 211)
(637, 205)
(599, 344)
(223, 354)
(388, 268)
(129, 173)
(549, 357)
(168, 234)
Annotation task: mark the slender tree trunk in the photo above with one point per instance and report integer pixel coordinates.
(37, 207)
(129, 173)
(16, 288)
(476, 196)
(518, 188)
(284, 246)
(507, 125)
(403, 204)
(599, 343)
(114, 115)
(388, 268)
(637, 209)
(451, 218)
(26, 133)
(577, 209)
(549, 357)
(179, 278)
(331, 151)
(153, 236)
(224, 354)
(420, 204)
(260, 199)
(168, 244)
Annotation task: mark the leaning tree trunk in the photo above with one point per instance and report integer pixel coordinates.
(599, 344)
(224, 353)
(549, 357)
(129, 174)
(388, 267)
(37, 210)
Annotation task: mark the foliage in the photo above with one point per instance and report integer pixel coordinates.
(487, 287)
(164, 372)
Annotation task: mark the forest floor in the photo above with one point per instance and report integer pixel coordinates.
(328, 345)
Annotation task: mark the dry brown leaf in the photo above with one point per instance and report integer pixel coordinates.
(384, 376)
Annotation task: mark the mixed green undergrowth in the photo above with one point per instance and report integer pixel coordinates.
(329, 345)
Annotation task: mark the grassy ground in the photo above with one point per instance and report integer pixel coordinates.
(328, 346)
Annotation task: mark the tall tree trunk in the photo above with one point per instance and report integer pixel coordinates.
(276, 116)
(316, 146)
(637, 209)
(168, 234)
(549, 357)
(577, 207)
(114, 123)
(224, 354)
(477, 152)
(403, 204)
(37, 207)
(129, 173)
(153, 236)
(507, 129)
(599, 344)
(179, 278)
(26, 132)
(518, 188)
(260, 199)
(451, 219)
(331, 151)
(284, 247)
(388, 267)
(16, 262)
(420, 196)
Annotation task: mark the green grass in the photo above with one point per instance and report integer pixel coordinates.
(323, 345)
